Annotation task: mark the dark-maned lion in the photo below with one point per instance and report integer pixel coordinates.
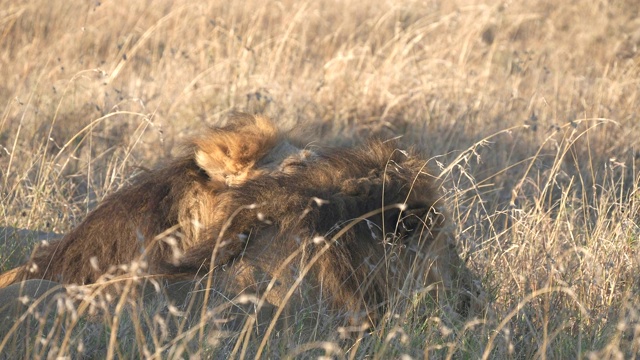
(252, 209)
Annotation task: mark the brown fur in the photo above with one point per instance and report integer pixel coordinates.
(364, 222)
(358, 223)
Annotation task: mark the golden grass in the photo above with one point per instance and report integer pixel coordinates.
(530, 107)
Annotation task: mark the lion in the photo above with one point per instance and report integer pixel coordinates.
(259, 213)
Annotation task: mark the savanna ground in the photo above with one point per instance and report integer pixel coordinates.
(528, 110)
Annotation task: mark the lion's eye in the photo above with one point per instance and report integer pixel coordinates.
(410, 223)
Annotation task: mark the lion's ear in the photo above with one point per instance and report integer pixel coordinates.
(233, 150)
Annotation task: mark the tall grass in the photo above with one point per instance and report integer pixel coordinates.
(528, 108)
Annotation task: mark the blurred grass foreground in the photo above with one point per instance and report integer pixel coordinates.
(528, 109)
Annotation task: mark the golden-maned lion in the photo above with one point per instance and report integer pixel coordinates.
(250, 208)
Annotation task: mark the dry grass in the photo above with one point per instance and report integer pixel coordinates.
(531, 108)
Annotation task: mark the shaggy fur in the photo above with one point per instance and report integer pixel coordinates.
(359, 224)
